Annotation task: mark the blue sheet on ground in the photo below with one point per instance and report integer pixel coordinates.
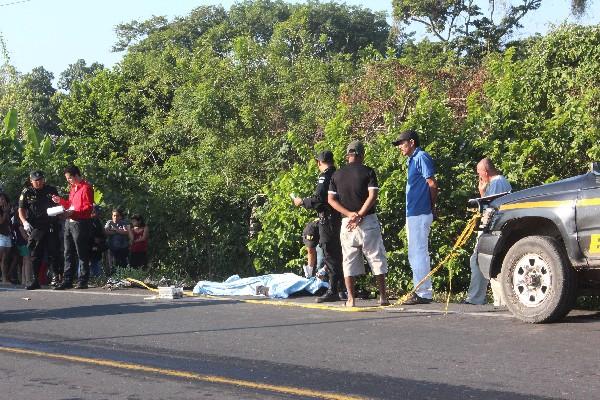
(280, 285)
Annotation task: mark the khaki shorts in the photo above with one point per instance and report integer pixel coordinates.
(365, 240)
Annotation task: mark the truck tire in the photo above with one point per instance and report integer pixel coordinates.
(538, 283)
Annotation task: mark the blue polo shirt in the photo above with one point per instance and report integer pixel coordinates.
(418, 197)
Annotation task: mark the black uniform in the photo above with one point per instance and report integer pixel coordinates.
(43, 239)
(330, 223)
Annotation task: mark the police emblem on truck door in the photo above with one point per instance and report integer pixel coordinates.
(588, 224)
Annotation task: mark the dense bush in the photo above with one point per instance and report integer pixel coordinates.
(536, 117)
(213, 119)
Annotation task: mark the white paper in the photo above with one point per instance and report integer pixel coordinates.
(54, 211)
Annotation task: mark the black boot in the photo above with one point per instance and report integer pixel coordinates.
(34, 285)
(329, 296)
(64, 286)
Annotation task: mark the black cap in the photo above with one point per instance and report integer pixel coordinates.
(407, 135)
(325, 156)
(356, 147)
(36, 175)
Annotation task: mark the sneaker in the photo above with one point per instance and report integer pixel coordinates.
(327, 297)
(34, 285)
(64, 286)
(416, 299)
(343, 296)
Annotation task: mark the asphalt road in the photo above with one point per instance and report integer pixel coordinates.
(88, 345)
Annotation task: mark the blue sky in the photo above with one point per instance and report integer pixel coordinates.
(55, 33)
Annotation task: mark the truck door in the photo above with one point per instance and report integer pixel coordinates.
(588, 222)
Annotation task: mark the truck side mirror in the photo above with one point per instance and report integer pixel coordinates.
(596, 167)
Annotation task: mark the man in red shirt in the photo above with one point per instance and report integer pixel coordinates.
(78, 228)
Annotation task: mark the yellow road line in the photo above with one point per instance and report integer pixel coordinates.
(314, 306)
(184, 374)
(295, 304)
(273, 302)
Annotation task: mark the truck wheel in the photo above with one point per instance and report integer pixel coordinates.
(538, 283)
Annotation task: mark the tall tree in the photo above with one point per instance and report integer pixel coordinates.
(132, 32)
(578, 7)
(77, 72)
(8, 80)
(464, 25)
(35, 92)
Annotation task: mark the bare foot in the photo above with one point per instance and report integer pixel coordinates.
(349, 303)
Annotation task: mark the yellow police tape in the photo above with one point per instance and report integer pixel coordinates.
(460, 242)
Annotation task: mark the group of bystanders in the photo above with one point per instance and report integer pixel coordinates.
(43, 227)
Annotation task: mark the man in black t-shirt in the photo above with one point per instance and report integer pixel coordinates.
(41, 228)
(353, 192)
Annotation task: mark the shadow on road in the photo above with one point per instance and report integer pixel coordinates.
(583, 318)
(340, 381)
(237, 328)
(98, 310)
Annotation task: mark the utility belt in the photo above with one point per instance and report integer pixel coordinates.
(42, 221)
(46, 228)
(326, 217)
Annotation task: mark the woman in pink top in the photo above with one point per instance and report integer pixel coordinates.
(138, 239)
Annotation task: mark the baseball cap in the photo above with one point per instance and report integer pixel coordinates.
(36, 175)
(356, 147)
(406, 135)
(325, 156)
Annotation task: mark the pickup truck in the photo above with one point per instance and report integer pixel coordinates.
(543, 244)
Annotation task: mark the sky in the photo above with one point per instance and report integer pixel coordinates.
(56, 33)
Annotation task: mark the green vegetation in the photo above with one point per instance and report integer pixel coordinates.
(216, 115)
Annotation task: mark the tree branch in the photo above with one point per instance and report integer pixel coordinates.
(430, 26)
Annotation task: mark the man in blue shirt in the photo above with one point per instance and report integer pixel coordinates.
(421, 195)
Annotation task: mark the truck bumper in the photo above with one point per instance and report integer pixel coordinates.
(486, 245)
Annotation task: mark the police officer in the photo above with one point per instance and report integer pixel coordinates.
(41, 228)
(329, 228)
